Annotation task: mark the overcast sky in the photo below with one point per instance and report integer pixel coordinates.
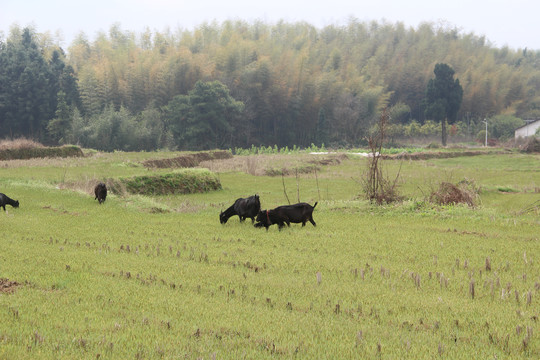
(512, 23)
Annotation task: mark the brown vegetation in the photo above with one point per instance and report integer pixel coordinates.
(187, 160)
(532, 146)
(20, 143)
(7, 286)
(22, 149)
(464, 192)
(273, 165)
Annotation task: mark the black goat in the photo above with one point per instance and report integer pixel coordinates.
(244, 208)
(101, 192)
(6, 200)
(286, 214)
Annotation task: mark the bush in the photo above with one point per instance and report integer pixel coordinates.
(502, 127)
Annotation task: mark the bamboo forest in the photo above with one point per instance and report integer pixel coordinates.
(238, 84)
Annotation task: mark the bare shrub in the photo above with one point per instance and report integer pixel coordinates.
(377, 187)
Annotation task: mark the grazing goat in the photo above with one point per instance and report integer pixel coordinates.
(244, 208)
(5, 200)
(101, 192)
(286, 214)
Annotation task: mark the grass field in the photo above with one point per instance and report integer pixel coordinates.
(159, 277)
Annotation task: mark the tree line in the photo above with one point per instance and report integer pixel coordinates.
(235, 84)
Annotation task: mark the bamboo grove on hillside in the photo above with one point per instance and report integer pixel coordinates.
(234, 84)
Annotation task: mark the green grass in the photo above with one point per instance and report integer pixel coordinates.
(120, 281)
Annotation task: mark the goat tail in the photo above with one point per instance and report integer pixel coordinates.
(316, 202)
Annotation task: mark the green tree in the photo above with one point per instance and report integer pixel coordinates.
(151, 125)
(114, 130)
(399, 113)
(79, 131)
(175, 117)
(203, 118)
(503, 126)
(59, 126)
(25, 87)
(443, 97)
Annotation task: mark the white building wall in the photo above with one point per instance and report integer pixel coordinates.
(527, 130)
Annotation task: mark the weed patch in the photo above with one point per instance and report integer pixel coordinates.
(506, 189)
(180, 182)
(285, 171)
(426, 155)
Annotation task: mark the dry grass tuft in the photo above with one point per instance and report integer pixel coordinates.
(464, 192)
(20, 143)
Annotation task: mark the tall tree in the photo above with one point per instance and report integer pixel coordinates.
(443, 97)
(25, 93)
(59, 126)
(203, 118)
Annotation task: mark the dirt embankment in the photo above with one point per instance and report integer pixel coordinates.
(40, 152)
(187, 160)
